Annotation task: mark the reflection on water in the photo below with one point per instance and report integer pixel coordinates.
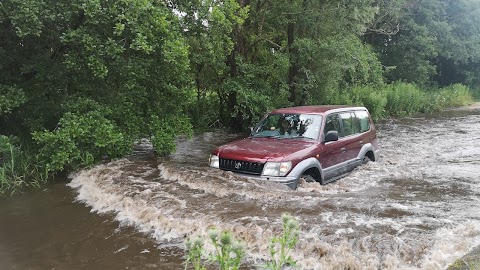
(417, 208)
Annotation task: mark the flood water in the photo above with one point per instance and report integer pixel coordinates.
(416, 208)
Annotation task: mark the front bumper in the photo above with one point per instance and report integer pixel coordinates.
(290, 181)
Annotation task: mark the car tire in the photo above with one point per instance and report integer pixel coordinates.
(307, 178)
(365, 160)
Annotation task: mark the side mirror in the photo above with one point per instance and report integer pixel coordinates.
(331, 136)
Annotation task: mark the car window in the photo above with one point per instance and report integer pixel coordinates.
(332, 123)
(289, 126)
(347, 122)
(356, 124)
(363, 120)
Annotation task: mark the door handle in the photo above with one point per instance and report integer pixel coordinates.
(343, 149)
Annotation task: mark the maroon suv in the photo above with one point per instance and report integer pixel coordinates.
(315, 143)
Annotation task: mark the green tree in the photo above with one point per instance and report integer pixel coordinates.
(428, 42)
(89, 77)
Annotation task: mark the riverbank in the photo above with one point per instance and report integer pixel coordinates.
(471, 261)
(473, 106)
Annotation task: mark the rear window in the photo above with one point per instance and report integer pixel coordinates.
(364, 120)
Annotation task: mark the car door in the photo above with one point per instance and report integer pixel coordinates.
(332, 155)
(365, 125)
(352, 140)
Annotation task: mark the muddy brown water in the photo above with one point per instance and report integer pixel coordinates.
(416, 208)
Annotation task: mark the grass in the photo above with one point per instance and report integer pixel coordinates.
(465, 264)
(400, 99)
(18, 169)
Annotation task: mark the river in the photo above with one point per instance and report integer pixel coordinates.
(416, 208)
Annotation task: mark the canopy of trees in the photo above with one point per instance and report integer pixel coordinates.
(81, 80)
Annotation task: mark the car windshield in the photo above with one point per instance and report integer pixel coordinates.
(289, 126)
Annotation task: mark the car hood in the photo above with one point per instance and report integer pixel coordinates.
(263, 149)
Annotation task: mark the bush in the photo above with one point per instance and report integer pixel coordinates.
(164, 132)
(457, 95)
(80, 140)
(476, 93)
(404, 99)
(373, 99)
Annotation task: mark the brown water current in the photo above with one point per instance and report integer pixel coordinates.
(416, 208)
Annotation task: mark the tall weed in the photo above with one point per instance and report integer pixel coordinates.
(281, 245)
(372, 98)
(18, 168)
(476, 93)
(401, 99)
(404, 99)
(228, 253)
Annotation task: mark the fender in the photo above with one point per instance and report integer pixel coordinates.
(304, 165)
(365, 149)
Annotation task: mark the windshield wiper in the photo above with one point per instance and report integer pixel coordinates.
(300, 137)
(264, 136)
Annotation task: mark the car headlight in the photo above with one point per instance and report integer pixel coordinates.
(214, 161)
(276, 168)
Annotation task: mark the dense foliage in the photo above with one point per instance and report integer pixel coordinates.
(82, 80)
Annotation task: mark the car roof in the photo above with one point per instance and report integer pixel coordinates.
(319, 109)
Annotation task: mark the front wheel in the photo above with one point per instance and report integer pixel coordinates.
(306, 178)
(365, 160)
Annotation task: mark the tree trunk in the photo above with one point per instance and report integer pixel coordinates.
(293, 68)
(236, 121)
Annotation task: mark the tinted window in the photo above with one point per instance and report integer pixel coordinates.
(347, 121)
(363, 120)
(332, 123)
(356, 124)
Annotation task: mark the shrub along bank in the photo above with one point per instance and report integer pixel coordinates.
(404, 99)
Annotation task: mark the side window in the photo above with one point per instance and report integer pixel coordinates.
(356, 124)
(332, 123)
(363, 120)
(347, 121)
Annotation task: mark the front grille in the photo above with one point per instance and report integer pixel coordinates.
(241, 166)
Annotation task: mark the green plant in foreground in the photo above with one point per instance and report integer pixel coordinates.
(228, 253)
(194, 255)
(280, 246)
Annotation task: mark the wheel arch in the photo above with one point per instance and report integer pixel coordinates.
(367, 151)
(315, 173)
(310, 166)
